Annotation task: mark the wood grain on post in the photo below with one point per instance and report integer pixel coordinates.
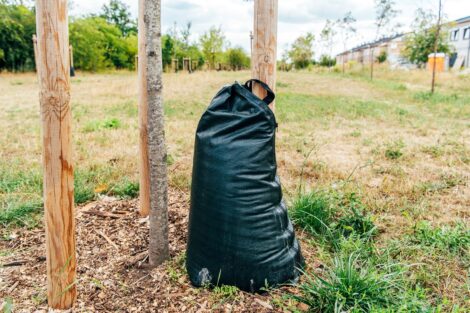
(263, 60)
(144, 188)
(54, 82)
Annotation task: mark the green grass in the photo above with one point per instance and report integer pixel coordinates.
(354, 285)
(445, 239)
(302, 107)
(332, 215)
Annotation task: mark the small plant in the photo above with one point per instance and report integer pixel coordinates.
(332, 216)
(112, 123)
(313, 212)
(126, 189)
(447, 239)
(394, 151)
(226, 293)
(351, 285)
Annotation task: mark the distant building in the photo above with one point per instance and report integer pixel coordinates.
(459, 34)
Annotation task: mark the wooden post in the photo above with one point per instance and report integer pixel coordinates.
(144, 188)
(72, 68)
(263, 61)
(54, 82)
(35, 46)
(150, 59)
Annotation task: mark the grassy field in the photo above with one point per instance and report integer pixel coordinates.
(376, 173)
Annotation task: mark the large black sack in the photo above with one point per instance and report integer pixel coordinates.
(239, 231)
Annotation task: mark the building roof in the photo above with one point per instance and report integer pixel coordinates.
(463, 20)
(386, 39)
(373, 43)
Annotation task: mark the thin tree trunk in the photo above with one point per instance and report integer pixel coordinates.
(371, 63)
(151, 28)
(436, 40)
(263, 61)
(54, 82)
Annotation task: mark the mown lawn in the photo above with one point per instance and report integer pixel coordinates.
(376, 173)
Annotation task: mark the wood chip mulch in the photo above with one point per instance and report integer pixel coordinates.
(112, 241)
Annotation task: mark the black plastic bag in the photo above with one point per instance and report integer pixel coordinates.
(239, 231)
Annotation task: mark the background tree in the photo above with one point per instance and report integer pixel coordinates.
(17, 26)
(327, 36)
(301, 52)
(212, 43)
(117, 13)
(346, 31)
(420, 43)
(99, 45)
(385, 12)
(237, 58)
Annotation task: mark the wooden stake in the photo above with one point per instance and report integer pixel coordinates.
(35, 46)
(144, 188)
(150, 58)
(72, 68)
(54, 81)
(263, 61)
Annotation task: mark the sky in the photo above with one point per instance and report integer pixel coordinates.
(296, 17)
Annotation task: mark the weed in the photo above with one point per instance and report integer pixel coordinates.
(20, 214)
(331, 215)
(225, 293)
(351, 285)
(126, 189)
(313, 212)
(455, 240)
(394, 150)
(112, 123)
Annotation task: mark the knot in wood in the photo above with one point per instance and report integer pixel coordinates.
(55, 103)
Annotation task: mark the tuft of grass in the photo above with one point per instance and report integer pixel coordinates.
(394, 150)
(445, 239)
(352, 285)
(126, 189)
(20, 214)
(111, 123)
(331, 216)
(225, 293)
(313, 212)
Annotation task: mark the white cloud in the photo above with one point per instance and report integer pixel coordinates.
(296, 17)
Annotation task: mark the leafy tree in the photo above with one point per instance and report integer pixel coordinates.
(117, 13)
(327, 36)
(168, 49)
(89, 45)
(326, 60)
(382, 57)
(385, 12)
(301, 52)
(212, 43)
(99, 45)
(346, 30)
(237, 58)
(420, 43)
(17, 26)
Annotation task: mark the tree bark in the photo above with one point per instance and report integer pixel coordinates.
(54, 82)
(157, 157)
(263, 61)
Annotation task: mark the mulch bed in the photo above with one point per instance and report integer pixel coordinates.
(112, 241)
